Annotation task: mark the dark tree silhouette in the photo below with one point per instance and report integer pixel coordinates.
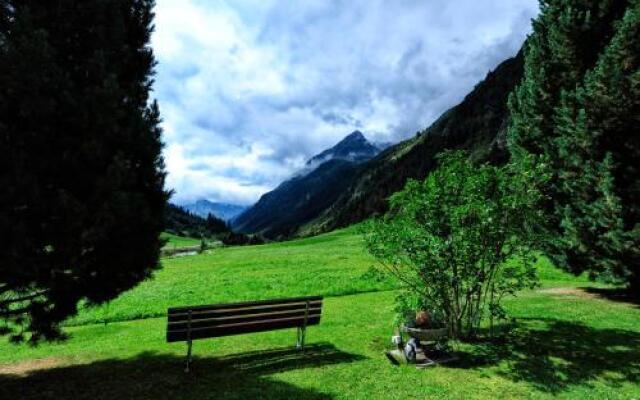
(183, 223)
(81, 171)
(216, 225)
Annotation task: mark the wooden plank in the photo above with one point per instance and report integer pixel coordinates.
(198, 322)
(246, 304)
(250, 323)
(236, 329)
(206, 313)
(245, 309)
(245, 317)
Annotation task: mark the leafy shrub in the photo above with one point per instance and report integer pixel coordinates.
(453, 240)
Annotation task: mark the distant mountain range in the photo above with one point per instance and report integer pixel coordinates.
(302, 198)
(224, 211)
(354, 179)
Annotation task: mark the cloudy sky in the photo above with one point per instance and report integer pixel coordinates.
(249, 90)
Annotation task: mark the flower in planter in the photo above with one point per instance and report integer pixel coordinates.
(422, 319)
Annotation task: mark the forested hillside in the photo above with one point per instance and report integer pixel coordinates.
(478, 124)
(183, 223)
(298, 200)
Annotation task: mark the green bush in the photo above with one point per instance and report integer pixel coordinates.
(453, 240)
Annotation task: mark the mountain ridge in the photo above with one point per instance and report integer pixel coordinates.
(477, 124)
(298, 200)
(353, 180)
(354, 147)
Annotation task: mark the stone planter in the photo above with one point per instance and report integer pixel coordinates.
(426, 335)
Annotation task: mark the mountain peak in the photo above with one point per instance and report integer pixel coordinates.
(355, 135)
(354, 147)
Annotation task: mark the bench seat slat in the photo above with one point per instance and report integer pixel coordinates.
(198, 322)
(213, 312)
(234, 329)
(246, 304)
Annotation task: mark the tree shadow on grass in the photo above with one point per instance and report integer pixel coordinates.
(160, 376)
(554, 355)
(614, 294)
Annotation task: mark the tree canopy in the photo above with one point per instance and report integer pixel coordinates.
(577, 111)
(83, 196)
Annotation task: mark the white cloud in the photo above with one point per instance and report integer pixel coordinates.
(250, 89)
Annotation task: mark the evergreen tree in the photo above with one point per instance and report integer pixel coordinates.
(82, 203)
(183, 223)
(577, 111)
(216, 225)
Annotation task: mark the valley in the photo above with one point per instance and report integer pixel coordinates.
(319, 200)
(589, 345)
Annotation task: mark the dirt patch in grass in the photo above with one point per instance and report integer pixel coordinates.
(569, 291)
(24, 368)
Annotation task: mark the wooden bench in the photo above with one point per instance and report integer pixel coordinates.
(186, 324)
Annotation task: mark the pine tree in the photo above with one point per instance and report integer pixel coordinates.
(215, 225)
(577, 112)
(81, 169)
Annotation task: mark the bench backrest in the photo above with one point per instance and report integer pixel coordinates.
(199, 322)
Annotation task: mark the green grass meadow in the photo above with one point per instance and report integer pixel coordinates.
(571, 340)
(174, 241)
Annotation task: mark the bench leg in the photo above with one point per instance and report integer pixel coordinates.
(300, 337)
(189, 359)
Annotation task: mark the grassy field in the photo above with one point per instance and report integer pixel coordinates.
(330, 265)
(569, 342)
(174, 241)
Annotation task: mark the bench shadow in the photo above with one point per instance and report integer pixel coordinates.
(152, 375)
(554, 355)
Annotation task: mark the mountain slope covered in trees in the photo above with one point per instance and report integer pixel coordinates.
(302, 198)
(181, 222)
(478, 124)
